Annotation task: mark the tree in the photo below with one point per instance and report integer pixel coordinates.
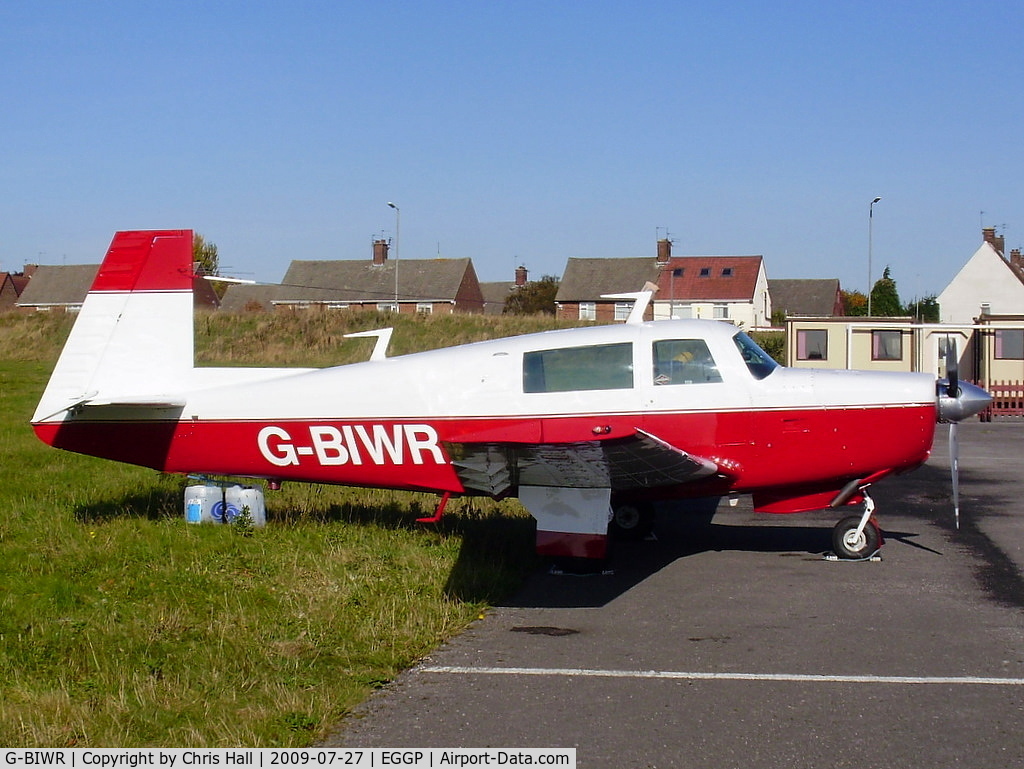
(204, 255)
(855, 302)
(885, 300)
(923, 310)
(536, 296)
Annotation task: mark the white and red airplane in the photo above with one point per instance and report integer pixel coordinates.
(585, 426)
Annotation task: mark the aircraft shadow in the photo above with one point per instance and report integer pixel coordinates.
(689, 529)
(679, 535)
(151, 504)
(497, 563)
(922, 496)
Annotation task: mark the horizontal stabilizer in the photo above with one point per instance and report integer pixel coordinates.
(142, 401)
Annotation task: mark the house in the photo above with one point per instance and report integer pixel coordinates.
(586, 281)
(495, 293)
(732, 288)
(879, 344)
(12, 284)
(988, 283)
(407, 286)
(241, 297)
(809, 298)
(63, 287)
(58, 287)
(1001, 344)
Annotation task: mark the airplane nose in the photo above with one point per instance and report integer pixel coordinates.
(968, 401)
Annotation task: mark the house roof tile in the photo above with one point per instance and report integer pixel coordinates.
(58, 285)
(809, 297)
(587, 280)
(424, 280)
(710, 278)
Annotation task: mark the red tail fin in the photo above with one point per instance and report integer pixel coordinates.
(147, 260)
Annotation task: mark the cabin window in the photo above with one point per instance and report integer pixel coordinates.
(1009, 344)
(759, 363)
(887, 345)
(684, 361)
(812, 344)
(588, 311)
(596, 367)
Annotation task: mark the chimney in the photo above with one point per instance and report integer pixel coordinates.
(380, 251)
(521, 275)
(998, 242)
(30, 270)
(1015, 258)
(664, 251)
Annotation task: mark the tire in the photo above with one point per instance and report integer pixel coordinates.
(848, 546)
(631, 520)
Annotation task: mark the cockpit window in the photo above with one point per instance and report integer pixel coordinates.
(683, 361)
(596, 367)
(760, 363)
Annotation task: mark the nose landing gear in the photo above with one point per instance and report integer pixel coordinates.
(857, 537)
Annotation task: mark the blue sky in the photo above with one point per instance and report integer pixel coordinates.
(517, 132)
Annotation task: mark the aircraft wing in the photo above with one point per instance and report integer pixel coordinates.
(639, 461)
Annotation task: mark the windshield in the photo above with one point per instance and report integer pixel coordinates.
(760, 363)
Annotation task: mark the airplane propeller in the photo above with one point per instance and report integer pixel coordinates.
(953, 391)
(957, 401)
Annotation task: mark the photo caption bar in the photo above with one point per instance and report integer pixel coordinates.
(274, 758)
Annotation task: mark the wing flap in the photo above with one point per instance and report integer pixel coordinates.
(639, 461)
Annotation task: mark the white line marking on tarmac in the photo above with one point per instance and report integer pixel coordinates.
(695, 676)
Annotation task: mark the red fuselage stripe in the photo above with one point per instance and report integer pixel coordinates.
(752, 449)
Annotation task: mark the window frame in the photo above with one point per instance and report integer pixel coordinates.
(999, 344)
(803, 345)
(879, 347)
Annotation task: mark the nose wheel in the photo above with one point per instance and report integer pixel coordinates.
(857, 538)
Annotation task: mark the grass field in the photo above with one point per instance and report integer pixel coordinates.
(121, 625)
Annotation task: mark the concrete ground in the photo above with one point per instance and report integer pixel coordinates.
(736, 644)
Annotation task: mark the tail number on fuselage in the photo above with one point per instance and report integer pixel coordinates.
(352, 444)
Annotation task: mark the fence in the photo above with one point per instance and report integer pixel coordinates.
(1007, 400)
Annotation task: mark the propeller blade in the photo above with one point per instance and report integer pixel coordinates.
(954, 469)
(952, 369)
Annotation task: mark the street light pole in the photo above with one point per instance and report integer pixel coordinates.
(871, 220)
(398, 242)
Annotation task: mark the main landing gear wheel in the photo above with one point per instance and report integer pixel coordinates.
(849, 545)
(631, 520)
